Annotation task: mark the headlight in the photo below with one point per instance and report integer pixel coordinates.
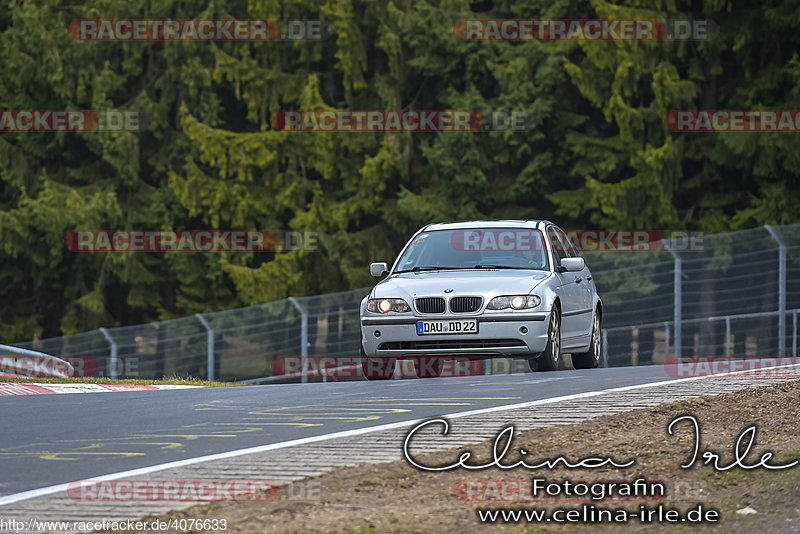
(387, 305)
(515, 302)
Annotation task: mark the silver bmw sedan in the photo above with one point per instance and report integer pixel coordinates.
(482, 289)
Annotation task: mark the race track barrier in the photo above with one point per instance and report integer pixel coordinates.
(24, 363)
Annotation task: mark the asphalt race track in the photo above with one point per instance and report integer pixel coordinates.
(54, 439)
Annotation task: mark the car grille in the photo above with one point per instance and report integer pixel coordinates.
(430, 344)
(465, 304)
(430, 305)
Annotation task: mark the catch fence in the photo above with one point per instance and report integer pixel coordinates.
(735, 294)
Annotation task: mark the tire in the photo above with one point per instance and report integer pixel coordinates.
(377, 368)
(428, 366)
(550, 359)
(591, 358)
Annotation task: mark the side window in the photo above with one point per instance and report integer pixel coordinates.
(555, 243)
(572, 252)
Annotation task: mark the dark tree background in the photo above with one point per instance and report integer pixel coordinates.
(598, 155)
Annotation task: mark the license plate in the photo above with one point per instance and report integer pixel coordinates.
(447, 327)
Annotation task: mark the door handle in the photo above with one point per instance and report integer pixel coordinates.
(589, 277)
(578, 280)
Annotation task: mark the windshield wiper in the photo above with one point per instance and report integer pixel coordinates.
(415, 269)
(485, 266)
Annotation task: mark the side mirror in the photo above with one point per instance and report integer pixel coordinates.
(573, 265)
(378, 270)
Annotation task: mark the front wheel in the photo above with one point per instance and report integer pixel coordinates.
(550, 359)
(377, 368)
(591, 358)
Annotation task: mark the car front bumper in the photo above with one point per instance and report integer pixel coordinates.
(499, 335)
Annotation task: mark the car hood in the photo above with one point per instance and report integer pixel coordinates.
(485, 282)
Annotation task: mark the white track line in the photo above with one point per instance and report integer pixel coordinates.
(49, 490)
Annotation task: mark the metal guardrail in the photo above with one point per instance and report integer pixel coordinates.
(24, 363)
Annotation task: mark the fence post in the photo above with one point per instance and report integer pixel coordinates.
(209, 347)
(605, 348)
(677, 291)
(781, 290)
(113, 361)
(727, 336)
(666, 339)
(794, 333)
(487, 366)
(303, 337)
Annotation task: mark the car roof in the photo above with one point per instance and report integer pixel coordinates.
(488, 223)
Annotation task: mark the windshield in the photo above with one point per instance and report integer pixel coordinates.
(479, 248)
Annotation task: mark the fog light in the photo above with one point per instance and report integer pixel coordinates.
(377, 333)
(523, 329)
